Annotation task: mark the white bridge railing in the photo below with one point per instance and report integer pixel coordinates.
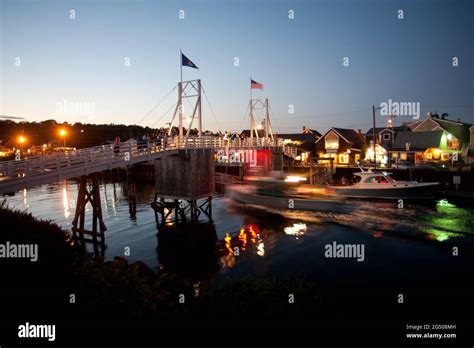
(40, 169)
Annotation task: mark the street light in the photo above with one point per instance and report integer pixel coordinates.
(62, 133)
(21, 139)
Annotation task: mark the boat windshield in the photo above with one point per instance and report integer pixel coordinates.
(379, 179)
(389, 179)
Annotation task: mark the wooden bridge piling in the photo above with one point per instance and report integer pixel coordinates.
(91, 196)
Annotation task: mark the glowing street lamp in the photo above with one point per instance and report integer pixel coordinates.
(62, 133)
(21, 139)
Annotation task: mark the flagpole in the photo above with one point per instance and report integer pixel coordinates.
(181, 63)
(180, 90)
(251, 111)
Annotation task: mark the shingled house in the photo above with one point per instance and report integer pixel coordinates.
(344, 146)
(430, 146)
(385, 137)
(433, 139)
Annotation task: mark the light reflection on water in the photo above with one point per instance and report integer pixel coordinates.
(262, 237)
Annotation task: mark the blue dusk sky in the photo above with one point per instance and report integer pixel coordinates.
(49, 59)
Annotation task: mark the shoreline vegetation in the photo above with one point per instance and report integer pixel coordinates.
(69, 282)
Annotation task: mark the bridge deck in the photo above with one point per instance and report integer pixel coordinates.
(39, 170)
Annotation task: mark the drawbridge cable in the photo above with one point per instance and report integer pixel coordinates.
(158, 120)
(161, 101)
(212, 110)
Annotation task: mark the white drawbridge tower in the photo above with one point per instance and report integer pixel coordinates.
(260, 107)
(191, 91)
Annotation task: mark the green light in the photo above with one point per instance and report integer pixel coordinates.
(450, 221)
(444, 203)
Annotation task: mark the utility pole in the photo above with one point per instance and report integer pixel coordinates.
(373, 132)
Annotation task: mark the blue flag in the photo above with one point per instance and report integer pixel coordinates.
(185, 61)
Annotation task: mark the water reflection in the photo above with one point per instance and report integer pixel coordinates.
(66, 202)
(249, 239)
(296, 230)
(450, 221)
(261, 249)
(25, 198)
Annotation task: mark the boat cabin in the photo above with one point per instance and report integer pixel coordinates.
(374, 178)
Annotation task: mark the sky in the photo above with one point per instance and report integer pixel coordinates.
(76, 69)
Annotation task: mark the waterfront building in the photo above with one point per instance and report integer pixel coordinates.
(344, 146)
(428, 146)
(454, 140)
(385, 138)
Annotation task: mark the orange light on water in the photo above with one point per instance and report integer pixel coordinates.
(243, 238)
(228, 245)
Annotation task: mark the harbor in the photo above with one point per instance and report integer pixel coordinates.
(235, 173)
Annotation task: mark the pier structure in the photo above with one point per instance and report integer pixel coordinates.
(184, 185)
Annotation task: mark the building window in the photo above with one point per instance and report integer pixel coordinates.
(331, 141)
(403, 156)
(356, 157)
(386, 136)
(394, 154)
(453, 144)
(429, 156)
(444, 156)
(344, 158)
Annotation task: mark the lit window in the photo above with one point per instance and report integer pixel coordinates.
(344, 158)
(453, 143)
(331, 141)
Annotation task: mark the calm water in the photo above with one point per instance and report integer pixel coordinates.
(400, 244)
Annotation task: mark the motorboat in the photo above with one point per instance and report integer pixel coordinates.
(287, 194)
(380, 184)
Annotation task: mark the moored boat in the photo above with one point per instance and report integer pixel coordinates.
(382, 186)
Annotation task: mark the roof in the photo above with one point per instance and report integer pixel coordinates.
(299, 136)
(380, 129)
(309, 131)
(459, 129)
(349, 135)
(418, 140)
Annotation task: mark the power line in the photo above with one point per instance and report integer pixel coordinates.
(330, 115)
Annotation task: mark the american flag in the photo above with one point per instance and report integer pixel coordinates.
(255, 85)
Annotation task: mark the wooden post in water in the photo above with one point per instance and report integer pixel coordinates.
(93, 197)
